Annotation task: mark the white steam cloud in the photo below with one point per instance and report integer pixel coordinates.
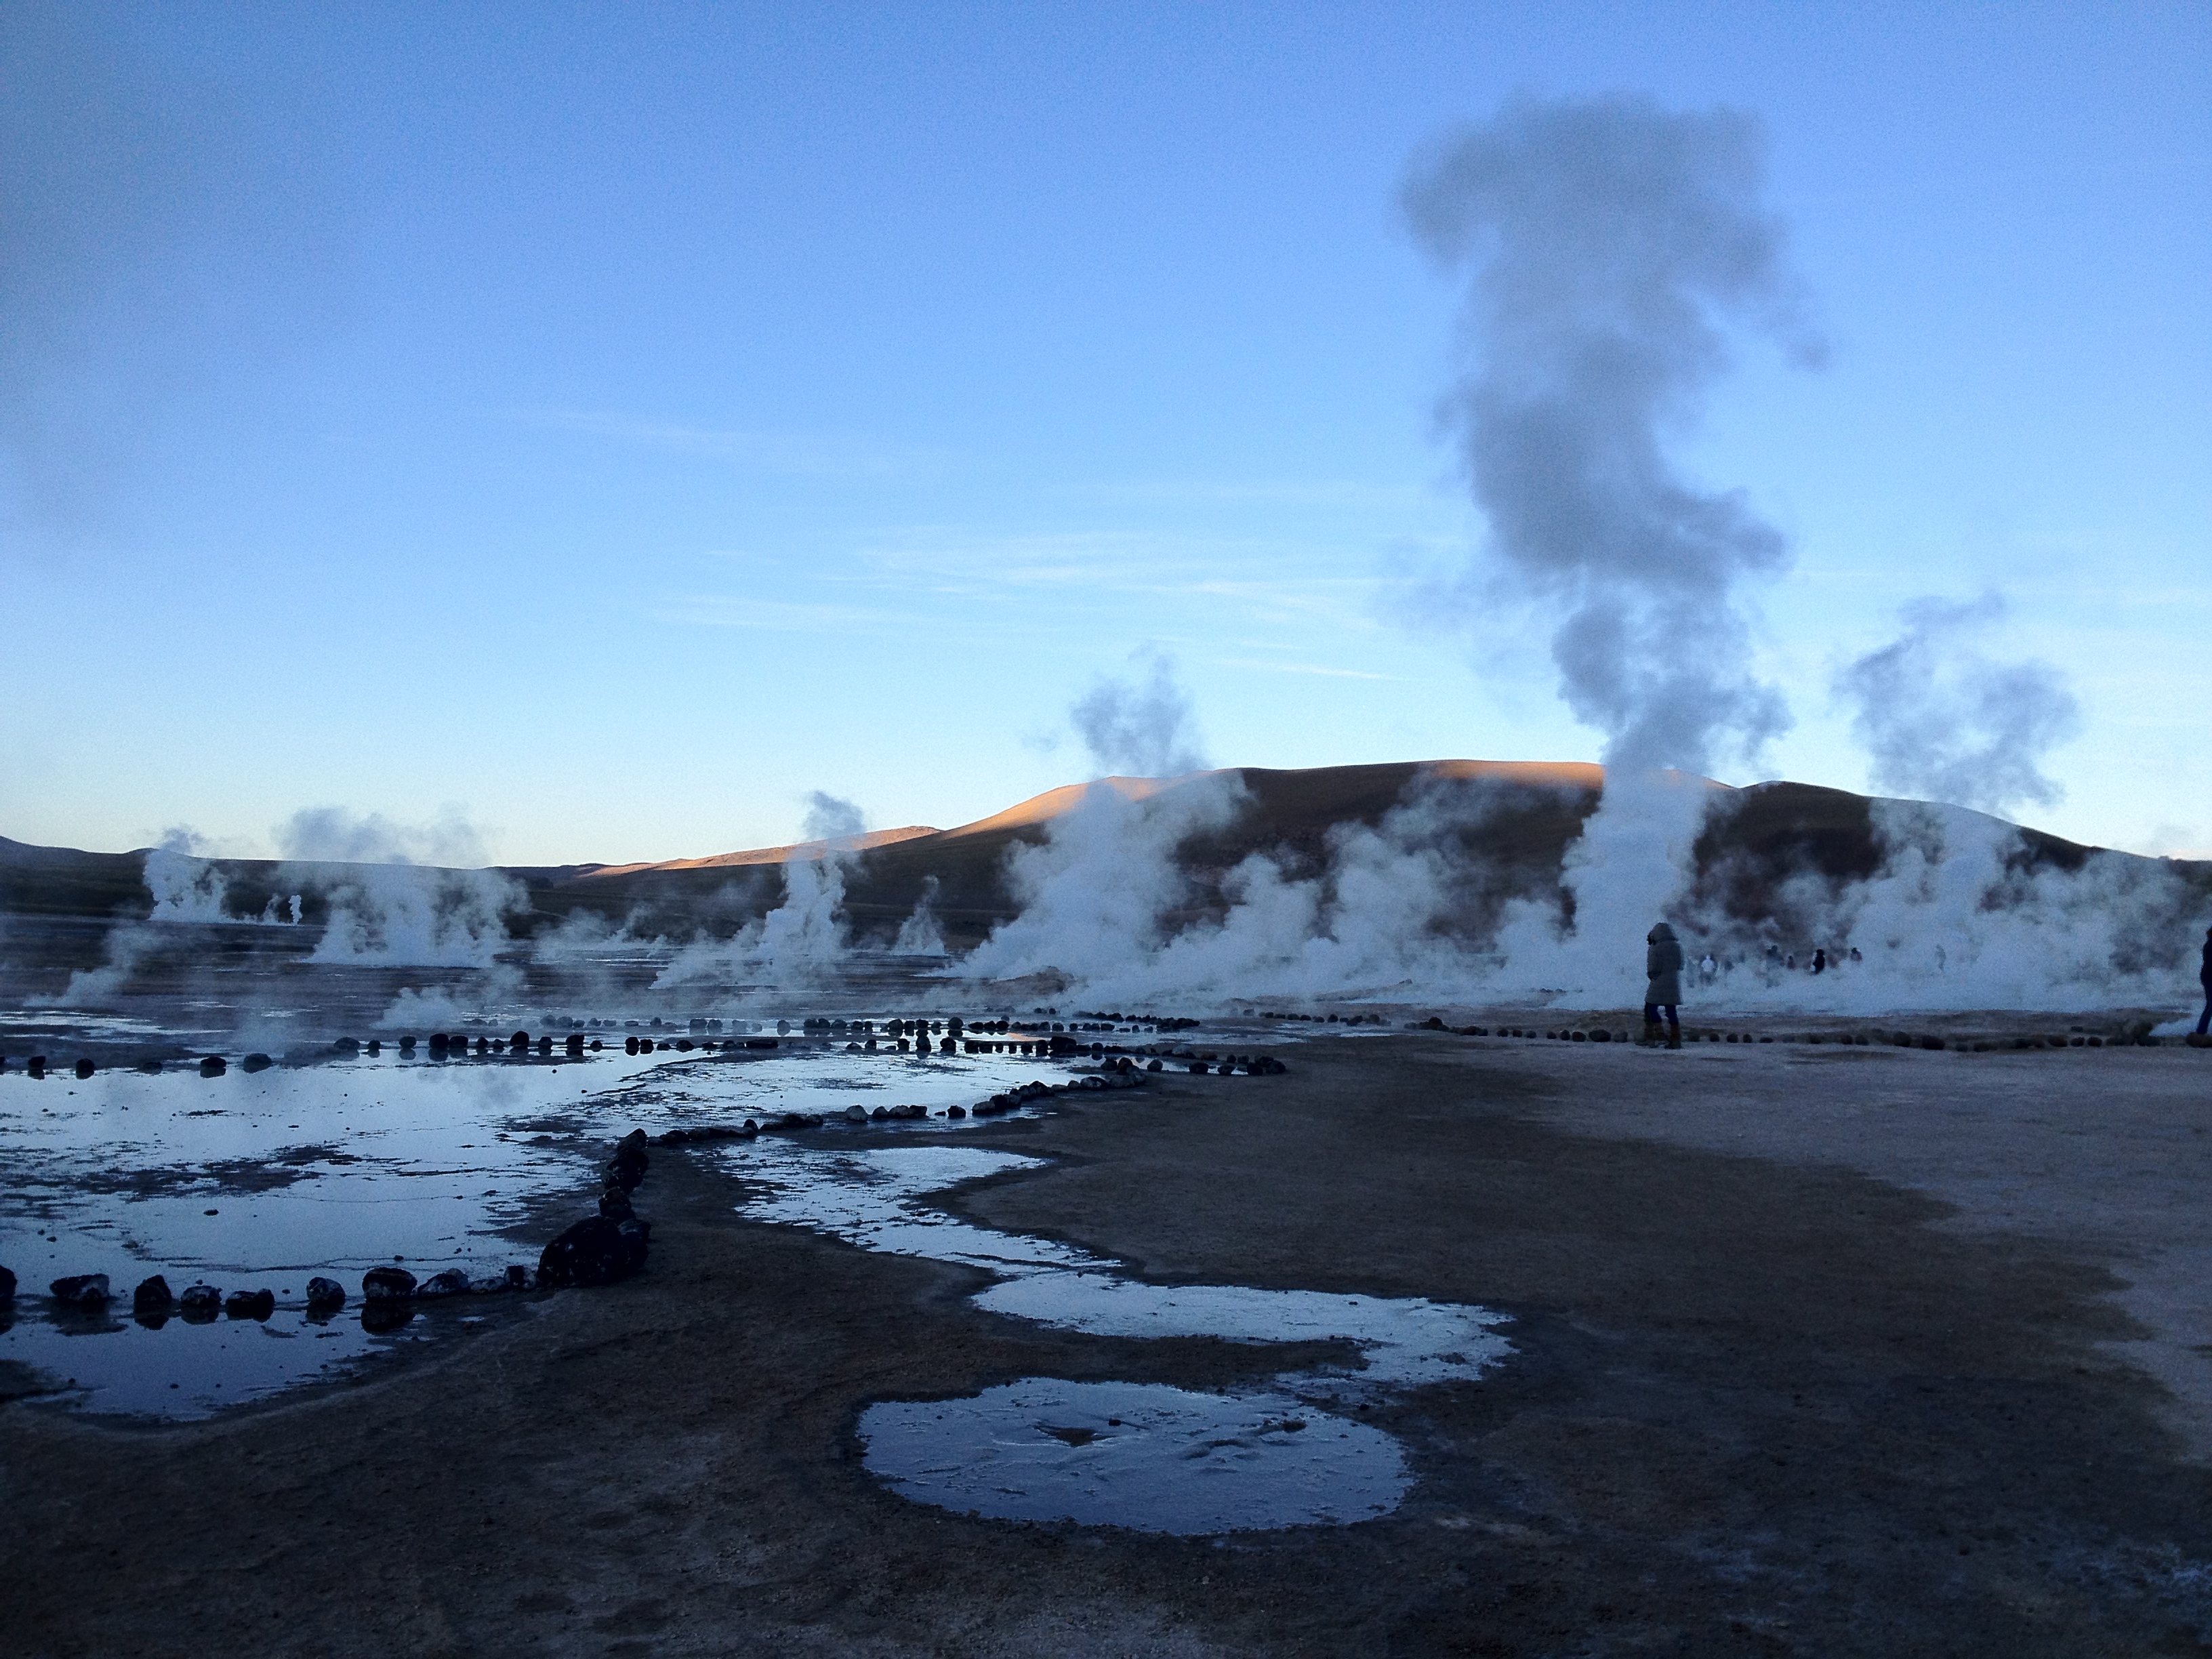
(1141, 725)
(411, 896)
(1941, 720)
(803, 938)
(1610, 241)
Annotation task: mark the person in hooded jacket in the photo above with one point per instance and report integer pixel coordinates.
(2205, 978)
(1662, 967)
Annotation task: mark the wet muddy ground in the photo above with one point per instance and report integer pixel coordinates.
(1840, 1352)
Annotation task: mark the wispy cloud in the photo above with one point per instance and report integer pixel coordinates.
(1348, 494)
(780, 615)
(799, 455)
(1314, 668)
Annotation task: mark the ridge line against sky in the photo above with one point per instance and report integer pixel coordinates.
(606, 427)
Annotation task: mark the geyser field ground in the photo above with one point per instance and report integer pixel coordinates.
(1816, 1350)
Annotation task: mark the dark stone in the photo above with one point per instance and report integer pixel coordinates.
(576, 1046)
(214, 1066)
(325, 1295)
(614, 1203)
(83, 1068)
(440, 1043)
(387, 1284)
(37, 1065)
(250, 1304)
(152, 1296)
(407, 1045)
(81, 1290)
(345, 1046)
(375, 1047)
(628, 1168)
(597, 1251)
(518, 1276)
(956, 1111)
(201, 1302)
(520, 1042)
(6, 1285)
(256, 1063)
(151, 1067)
(629, 1045)
(451, 1282)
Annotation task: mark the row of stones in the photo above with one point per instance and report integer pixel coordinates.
(596, 1250)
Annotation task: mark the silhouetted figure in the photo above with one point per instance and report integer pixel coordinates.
(1819, 962)
(2204, 979)
(1663, 966)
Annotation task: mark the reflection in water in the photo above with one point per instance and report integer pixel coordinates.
(1153, 1458)
(1135, 1455)
(876, 1199)
(264, 1179)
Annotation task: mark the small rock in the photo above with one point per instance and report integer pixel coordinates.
(387, 1284)
(451, 1282)
(214, 1066)
(83, 1069)
(518, 1276)
(153, 1296)
(345, 1046)
(81, 1290)
(201, 1302)
(256, 1063)
(856, 1114)
(325, 1295)
(6, 1285)
(250, 1304)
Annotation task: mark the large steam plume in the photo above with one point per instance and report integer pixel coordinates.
(1610, 246)
(390, 902)
(1943, 721)
(1609, 243)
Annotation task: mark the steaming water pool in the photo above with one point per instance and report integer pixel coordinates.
(255, 1179)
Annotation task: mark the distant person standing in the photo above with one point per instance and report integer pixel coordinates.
(2203, 978)
(1662, 968)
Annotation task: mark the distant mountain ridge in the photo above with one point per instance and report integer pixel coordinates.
(1515, 821)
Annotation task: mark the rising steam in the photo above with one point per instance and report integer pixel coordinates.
(1609, 243)
(1942, 721)
(1141, 725)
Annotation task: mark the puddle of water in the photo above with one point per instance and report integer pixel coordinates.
(264, 1179)
(879, 1199)
(1142, 1456)
(1044, 1449)
(1405, 1342)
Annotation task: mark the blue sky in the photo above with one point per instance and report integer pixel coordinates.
(613, 423)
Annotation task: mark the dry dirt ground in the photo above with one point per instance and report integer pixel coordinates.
(1816, 1352)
